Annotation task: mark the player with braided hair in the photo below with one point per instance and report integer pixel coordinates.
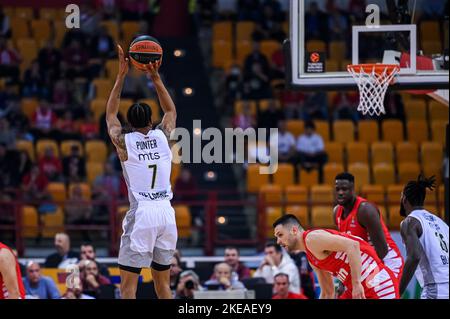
(426, 239)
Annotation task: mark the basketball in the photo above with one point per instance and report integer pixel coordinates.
(143, 50)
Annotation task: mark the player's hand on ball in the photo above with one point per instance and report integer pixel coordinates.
(153, 68)
(123, 62)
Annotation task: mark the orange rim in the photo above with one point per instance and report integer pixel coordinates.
(378, 68)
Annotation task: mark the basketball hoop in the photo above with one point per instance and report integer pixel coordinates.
(373, 81)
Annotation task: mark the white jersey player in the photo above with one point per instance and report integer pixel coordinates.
(149, 230)
(426, 238)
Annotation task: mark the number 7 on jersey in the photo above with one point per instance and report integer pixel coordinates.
(154, 167)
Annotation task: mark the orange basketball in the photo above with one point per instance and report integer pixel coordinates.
(143, 50)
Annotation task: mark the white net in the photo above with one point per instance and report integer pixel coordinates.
(373, 81)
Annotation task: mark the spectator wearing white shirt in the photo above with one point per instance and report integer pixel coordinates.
(286, 143)
(275, 262)
(311, 149)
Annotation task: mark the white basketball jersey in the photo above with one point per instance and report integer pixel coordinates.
(147, 169)
(434, 264)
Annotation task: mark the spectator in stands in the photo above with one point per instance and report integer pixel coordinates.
(223, 278)
(38, 286)
(44, 120)
(17, 165)
(316, 106)
(76, 59)
(102, 45)
(270, 117)
(345, 106)
(108, 9)
(394, 107)
(63, 256)
(76, 293)
(49, 59)
(7, 135)
(281, 288)
(286, 143)
(33, 82)
(357, 8)
(175, 271)
(34, 185)
(9, 61)
(107, 185)
(186, 187)
(5, 28)
(89, 127)
(74, 165)
(274, 262)
(187, 284)
(307, 279)
(233, 85)
(434, 10)
(315, 23)
(246, 119)
(239, 270)
(133, 9)
(61, 96)
(311, 149)
(256, 57)
(87, 252)
(7, 98)
(67, 127)
(91, 279)
(78, 211)
(248, 10)
(277, 33)
(89, 18)
(50, 165)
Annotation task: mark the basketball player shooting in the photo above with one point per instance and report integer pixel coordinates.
(348, 258)
(426, 239)
(11, 285)
(149, 230)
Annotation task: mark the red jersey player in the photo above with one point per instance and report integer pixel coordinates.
(11, 285)
(348, 258)
(356, 216)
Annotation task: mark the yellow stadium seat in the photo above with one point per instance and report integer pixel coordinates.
(29, 106)
(438, 131)
(343, 131)
(417, 131)
(98, 107)
(67, 145)
(394, 217)
(323, 129)
(244, 30)
(308, 179)
(222, 53)
(431, 153)
(238, 105)
(60, 30)
(382, 152)
(338, 50)
(111, 67)
(431, 169)
(384, 214)
(222, 31)
(130, 29)
(29, 222)
(357, 152)
(146, 275)
(301, 212)
(316, 46)
(41, 29)
(55, 274)
(269, 47)
(124, 105)
(28, 49)
(243, 50)
(407, 152)
(24, 12)
(254, 179)
(431, 199)
(368, 131)
(19, 28)
(8, 11)
(296, 127)
(335, 152)
(393, 194)
(96, 151)
(438, 111)
(416, 110)
(47, 14)
(85, 190)
(184, 220)
(383, 174)
(296, 195)
(408, 172)
(392, 131)
(361, 173)
(42, 144)
(113, 29)
(272, 214)
(27, 146)
(332, 65)
(58, 192)
(373, 193)
(264, 104)
(430, 30)
(284, 176)
(94, 169)
(271, 194)
(330, 170)
(441, 195)
(53, 223)
(322, 216)
(322, 195)
(103, 88)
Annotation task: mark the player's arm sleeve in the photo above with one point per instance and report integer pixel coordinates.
(369, 217)
(326, 284)
(8, 271)
(410, 230)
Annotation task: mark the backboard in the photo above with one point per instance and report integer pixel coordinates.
(327, 36)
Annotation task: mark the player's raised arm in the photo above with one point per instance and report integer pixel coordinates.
(410, 229)
(112, 107)
(320, 242)
(8, 271)
(168, 122)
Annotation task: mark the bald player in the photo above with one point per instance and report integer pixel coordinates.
(333, 254)
(11, 285)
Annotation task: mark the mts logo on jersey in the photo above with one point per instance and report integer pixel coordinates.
(147, 145)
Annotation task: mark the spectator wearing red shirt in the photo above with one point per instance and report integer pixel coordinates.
(238, 268)
(89, 128)
(44, 121)
(34, 185)
(50, 165)
(281, 288)
(67, 127)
